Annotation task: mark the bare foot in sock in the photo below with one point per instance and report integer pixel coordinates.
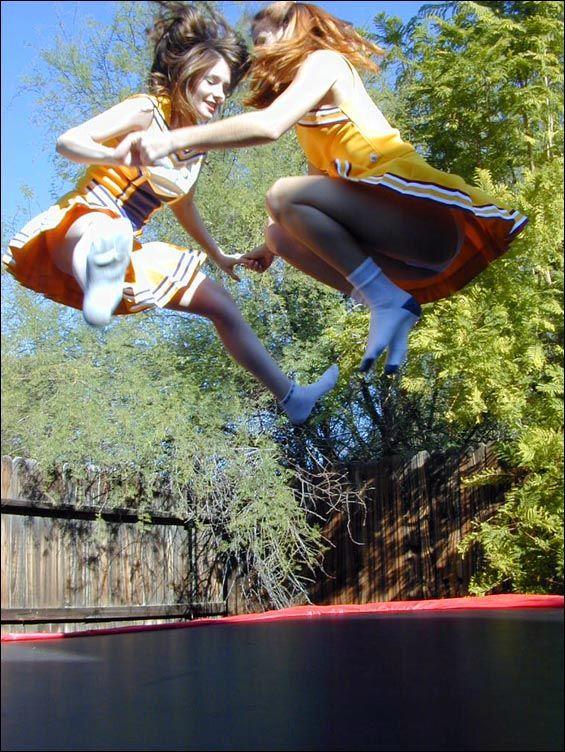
(393, 313)
(389, 328)
(300, 400)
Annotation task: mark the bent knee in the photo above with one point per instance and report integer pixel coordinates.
(277, 198)
(217, 304)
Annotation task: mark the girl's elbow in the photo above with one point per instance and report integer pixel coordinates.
(272, 130)
(275, 132)
(265, 133)
(67, 141)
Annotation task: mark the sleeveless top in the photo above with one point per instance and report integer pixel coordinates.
(138, 192)
(349, 141)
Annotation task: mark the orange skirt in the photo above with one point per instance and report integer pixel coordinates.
(481, 242)
(486, 230)
(156, 273)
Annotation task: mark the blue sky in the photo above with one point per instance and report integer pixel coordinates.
(28, 27)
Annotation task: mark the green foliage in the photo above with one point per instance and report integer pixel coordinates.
(480, 87)
(155, 399)
(128, 400)
(499, 347)
(477, 87)
(483, 87)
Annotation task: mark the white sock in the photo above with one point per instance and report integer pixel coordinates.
(393, 313)
(106, 264)
(300, 400)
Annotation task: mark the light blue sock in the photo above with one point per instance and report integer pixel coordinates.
(106, 265)
(393, 313)
(356, 296)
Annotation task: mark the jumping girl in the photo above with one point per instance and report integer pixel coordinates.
(372, 218)
(85, 251)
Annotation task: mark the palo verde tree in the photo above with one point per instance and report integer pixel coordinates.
(154, 398)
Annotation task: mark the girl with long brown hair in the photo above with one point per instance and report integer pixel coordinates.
(372, 218)
(85, 251)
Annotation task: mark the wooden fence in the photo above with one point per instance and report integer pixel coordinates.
(400, 543)
(61, 566)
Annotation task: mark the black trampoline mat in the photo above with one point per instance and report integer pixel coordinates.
(472, 680)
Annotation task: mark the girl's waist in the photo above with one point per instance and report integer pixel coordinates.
(361, 151)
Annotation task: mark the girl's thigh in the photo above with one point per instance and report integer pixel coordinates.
(62, 252)
(381, 220)
(205, 298)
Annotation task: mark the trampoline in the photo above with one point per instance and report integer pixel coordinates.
(456, 674)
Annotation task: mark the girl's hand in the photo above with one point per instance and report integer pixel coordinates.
(142, 148)
(260, 259)
(227, 264)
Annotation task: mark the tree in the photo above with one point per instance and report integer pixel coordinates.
(480, 84)
(155, 398)
(480, 91)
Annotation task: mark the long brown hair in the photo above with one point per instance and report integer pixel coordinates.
(188, 41)
(274, 67)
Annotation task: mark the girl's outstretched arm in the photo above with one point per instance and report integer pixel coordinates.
(313, 81)
(189, 218)
(83, 143)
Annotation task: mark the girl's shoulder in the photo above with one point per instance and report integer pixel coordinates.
(326, 57)
(141, 96)
(326, 62)
(161, 106)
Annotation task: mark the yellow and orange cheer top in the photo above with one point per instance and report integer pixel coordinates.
(157, 270)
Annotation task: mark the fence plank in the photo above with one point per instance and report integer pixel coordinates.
(52, 559)
(417, 512)
(400, 545)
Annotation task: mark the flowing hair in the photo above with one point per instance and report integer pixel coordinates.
(274, 67)
(187, 41)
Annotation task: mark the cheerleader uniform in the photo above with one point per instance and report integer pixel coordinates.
(349, 143)
(157, 270)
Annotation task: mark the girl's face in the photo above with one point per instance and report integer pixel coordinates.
(265, 33)
(211, 89)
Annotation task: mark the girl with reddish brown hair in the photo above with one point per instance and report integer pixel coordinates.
(86, 250)
(372, 218)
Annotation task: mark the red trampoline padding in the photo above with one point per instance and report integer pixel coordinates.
(510, 601)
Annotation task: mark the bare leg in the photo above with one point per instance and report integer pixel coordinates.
(213, 302)
(345, 223)
(70, 255)
(283, 244)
